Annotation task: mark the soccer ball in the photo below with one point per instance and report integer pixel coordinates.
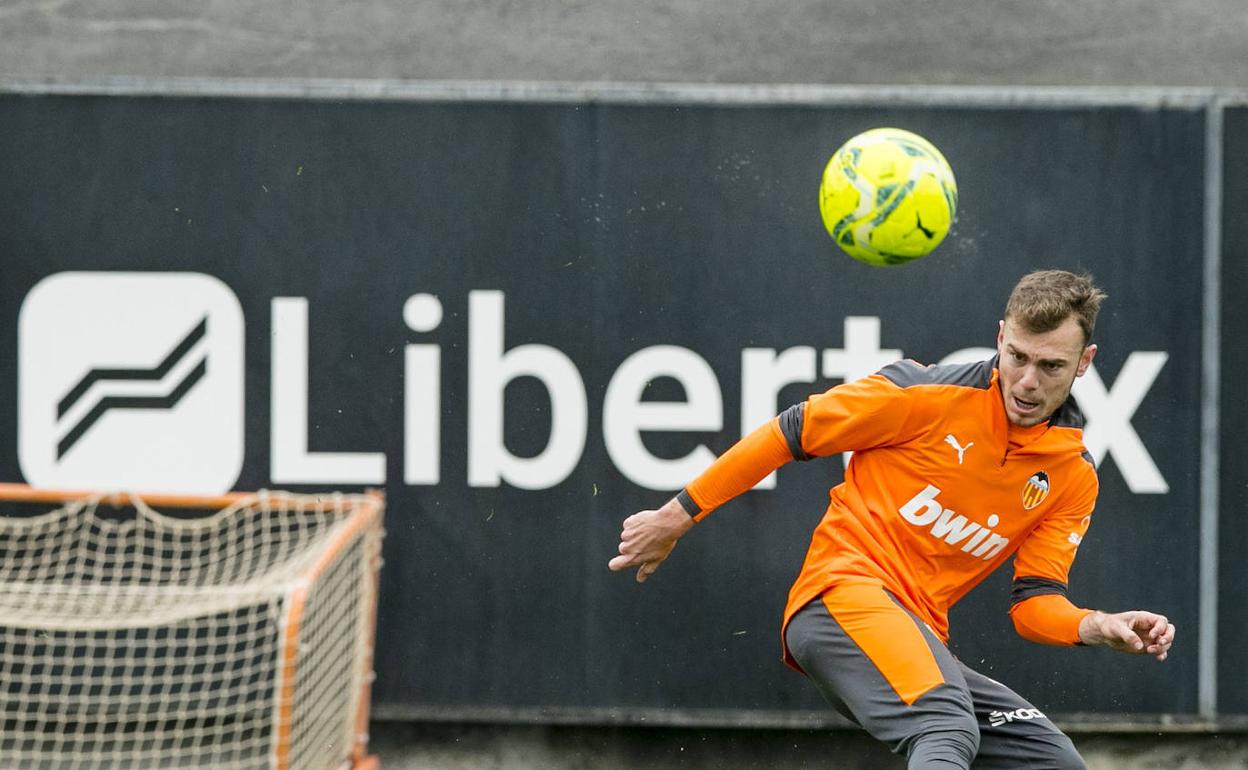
(888, 197)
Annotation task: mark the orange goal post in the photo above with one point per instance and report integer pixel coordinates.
(229, 632)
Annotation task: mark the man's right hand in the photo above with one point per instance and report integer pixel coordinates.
(648, 538)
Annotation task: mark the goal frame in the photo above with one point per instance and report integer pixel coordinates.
(368, 513)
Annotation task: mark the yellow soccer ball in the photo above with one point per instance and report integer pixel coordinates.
(888, 197)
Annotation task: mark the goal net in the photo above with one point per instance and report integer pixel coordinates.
(186, 632)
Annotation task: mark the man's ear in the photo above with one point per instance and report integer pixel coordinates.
(1085, 360)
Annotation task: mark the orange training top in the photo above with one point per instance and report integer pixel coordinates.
(941, 490)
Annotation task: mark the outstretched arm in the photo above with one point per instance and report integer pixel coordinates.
(1137, 631)
(649, 536)
(1042, 613)
(1051, 619)
(858, 415)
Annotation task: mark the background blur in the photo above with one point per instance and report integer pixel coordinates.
(633, 175)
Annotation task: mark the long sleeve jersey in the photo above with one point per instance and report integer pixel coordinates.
(940, 491)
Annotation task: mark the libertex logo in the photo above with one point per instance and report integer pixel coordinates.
(131, 381)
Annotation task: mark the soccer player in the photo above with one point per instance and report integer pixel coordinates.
(955, 469)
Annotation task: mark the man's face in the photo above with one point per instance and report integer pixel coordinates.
(1037, 370)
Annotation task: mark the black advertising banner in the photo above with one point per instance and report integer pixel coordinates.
(527, 321)
(1233, 468)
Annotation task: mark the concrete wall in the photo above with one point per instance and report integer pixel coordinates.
(1011, 42)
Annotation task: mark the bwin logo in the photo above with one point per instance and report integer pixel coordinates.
(923, 510)
(131, 381)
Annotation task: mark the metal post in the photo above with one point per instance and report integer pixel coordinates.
(1207, 670)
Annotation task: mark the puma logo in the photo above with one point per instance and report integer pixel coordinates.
(953, 442)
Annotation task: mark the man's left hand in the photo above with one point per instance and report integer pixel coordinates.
(1138, 632)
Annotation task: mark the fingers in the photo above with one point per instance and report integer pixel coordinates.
(1154, 634)
(1168, 637)
(1160, 647)
(1160, 624)
(1130, 640)
(621, 562)
(629, 553)
(625, 561)
(1156, 631)
(1149, 625)
(638, 551)
(634, 551)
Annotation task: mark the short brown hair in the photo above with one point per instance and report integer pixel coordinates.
(1044, 299)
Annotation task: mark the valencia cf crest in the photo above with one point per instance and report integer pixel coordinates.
(1036, 490)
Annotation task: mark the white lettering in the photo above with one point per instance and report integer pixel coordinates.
(862, 355)
(923, 500)
(923, 510)
(998, 718)
(1109, 415)
(489, 371)
(292, 463)
(625, 415)
(422, 396)
(763, 374)
(953, 530)
(976, 539)
(991, 547)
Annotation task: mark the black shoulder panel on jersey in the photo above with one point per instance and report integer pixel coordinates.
(686, 501)
(791, 422)
(1027, 587)
(1068, 415)
(906, 373)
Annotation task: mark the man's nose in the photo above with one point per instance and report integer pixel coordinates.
(1028, 379)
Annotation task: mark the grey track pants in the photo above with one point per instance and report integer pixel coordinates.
(954, 717)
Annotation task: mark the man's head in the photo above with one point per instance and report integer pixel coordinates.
(1045, 342)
